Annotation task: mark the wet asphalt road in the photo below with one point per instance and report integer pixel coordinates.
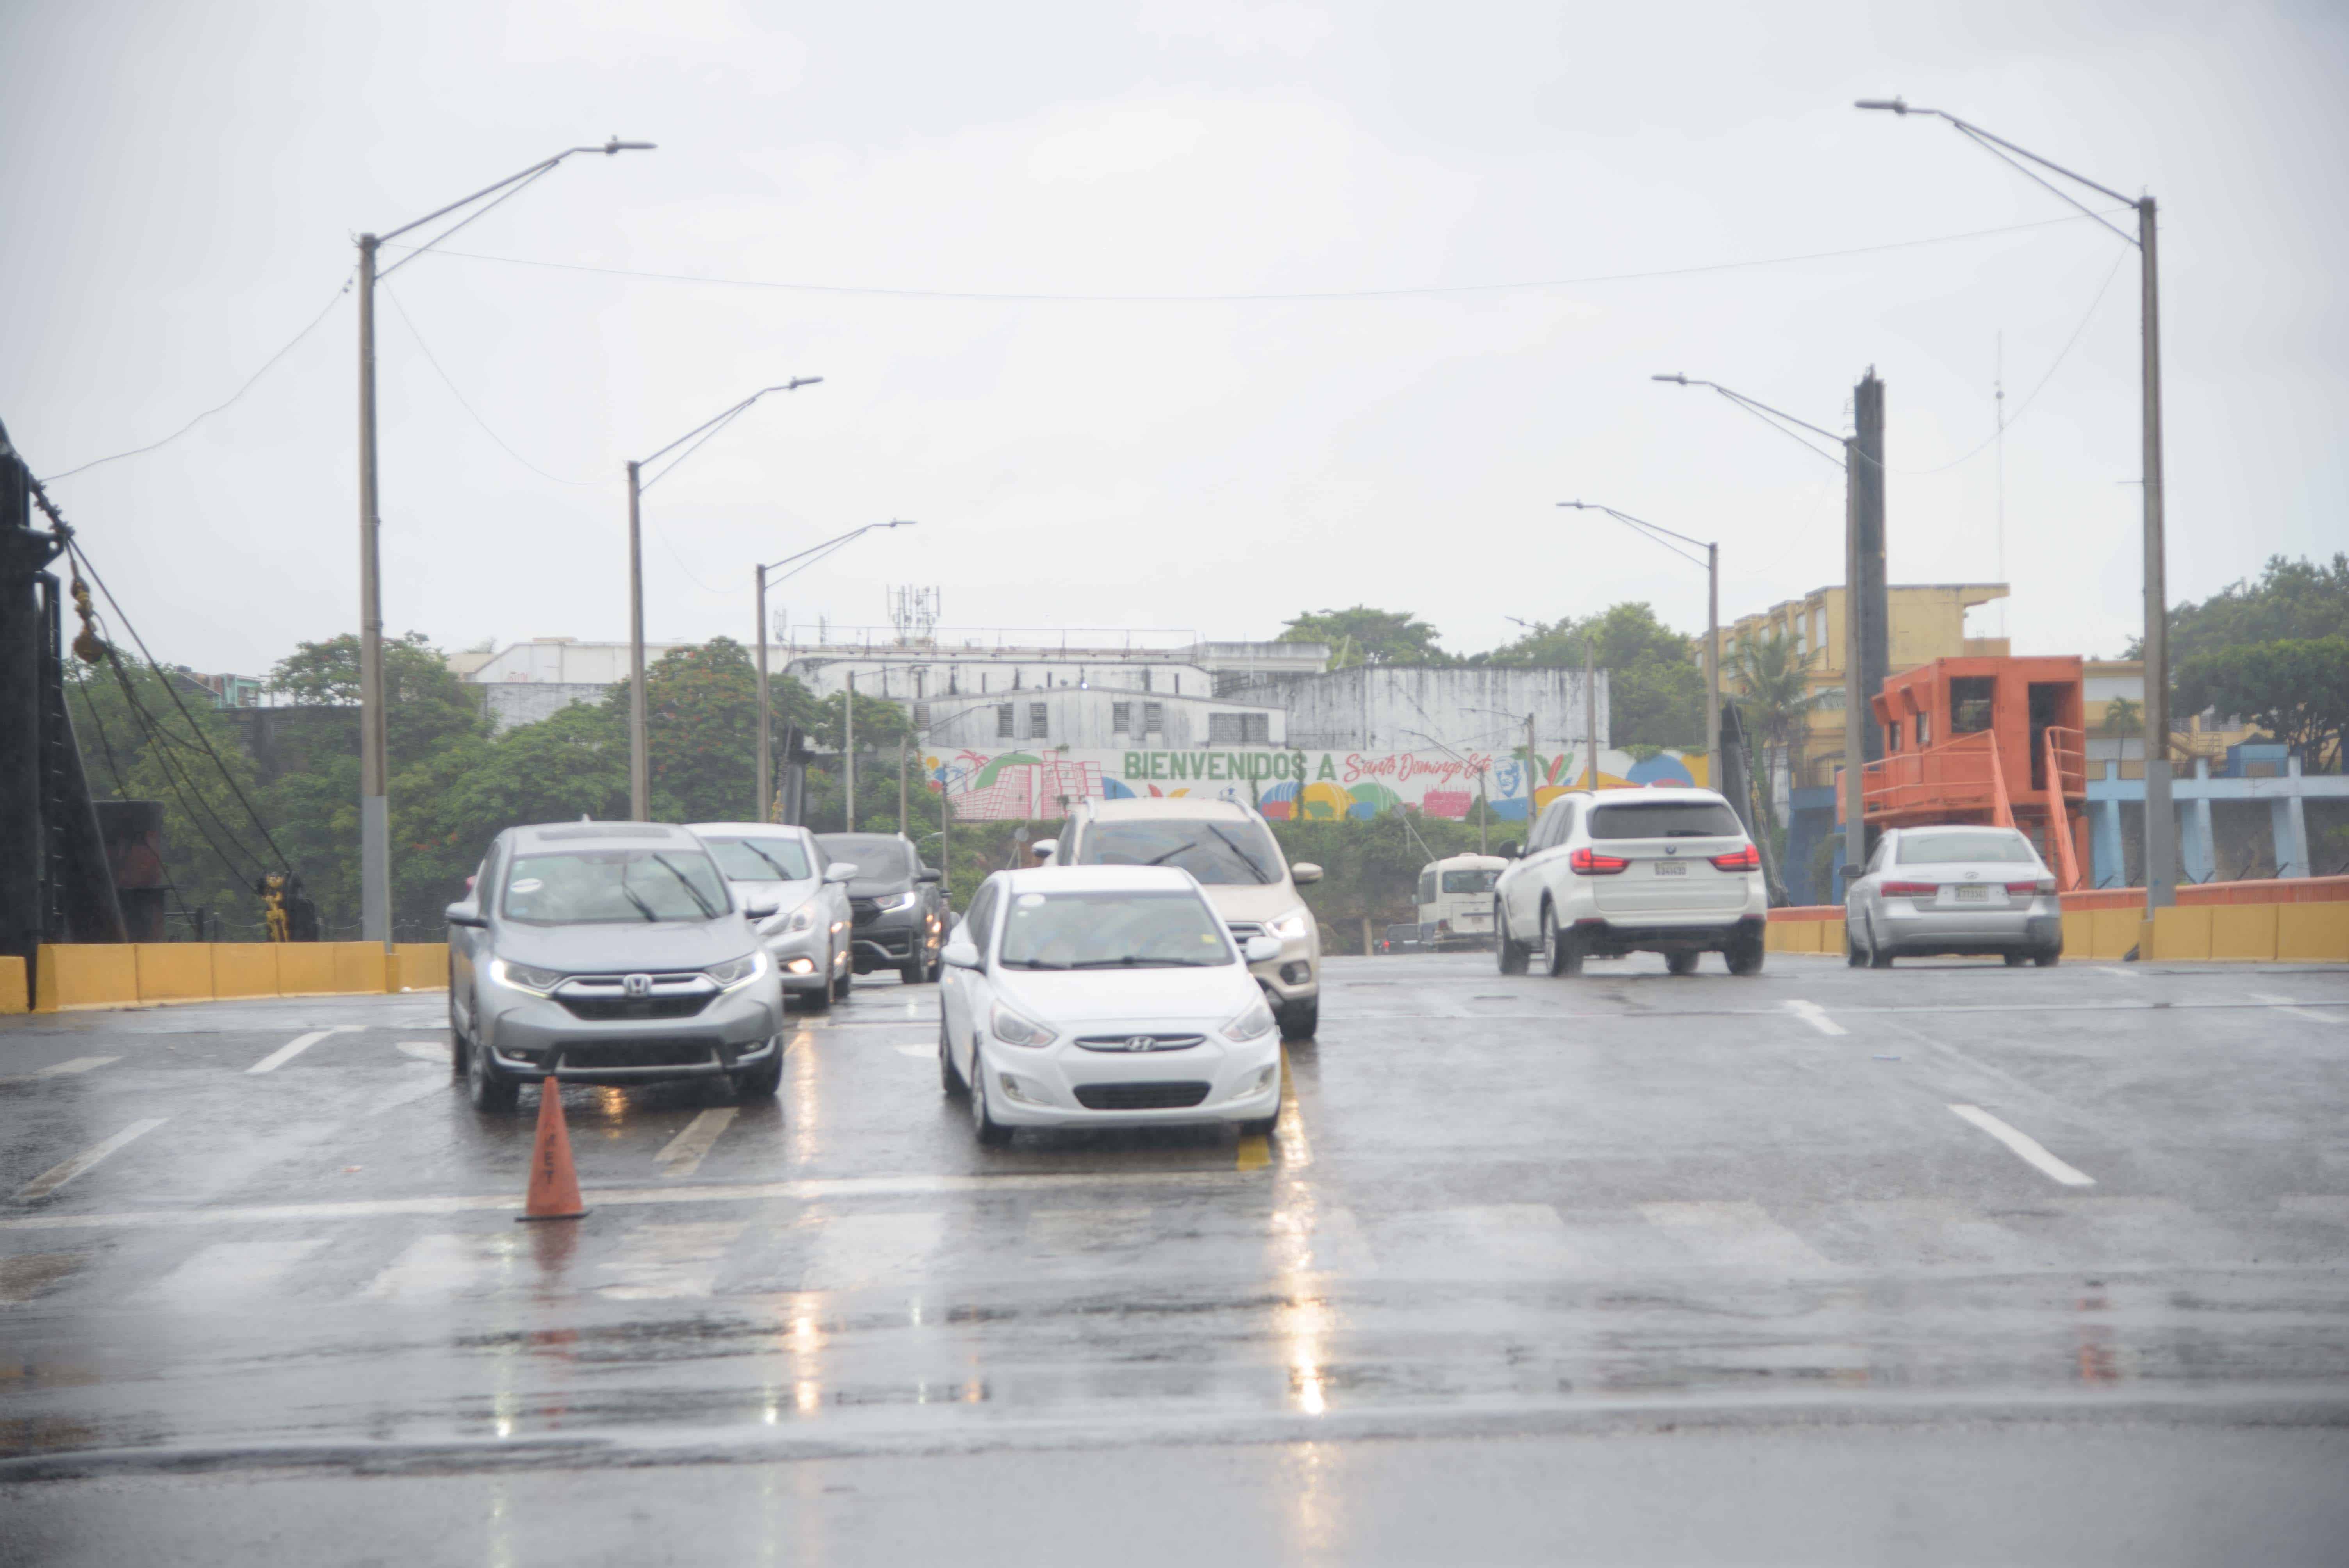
(1624, 1268)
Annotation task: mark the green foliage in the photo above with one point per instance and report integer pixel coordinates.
(2293, 601)
(1655, 686)
(2123, 715)
(2297, 690)
(1362, 635)
(426, 707)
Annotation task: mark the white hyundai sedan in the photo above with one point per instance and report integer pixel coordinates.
(1095, 995)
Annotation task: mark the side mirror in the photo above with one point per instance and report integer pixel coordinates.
(763, 911)
(1304, 871)
(1512, 850)
(1260, 949)
(1044, 849)
(465, 914)
(927, 874)
(839, 871)
(960, 954)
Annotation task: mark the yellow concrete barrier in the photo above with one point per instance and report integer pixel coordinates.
(245, 969)
(2243, 930)
(423, 965)
(86, 975)
(305, 969)
(2313, 933)
(358, 966)
(2111, 933)
(173, 971)
(2181, 933)
(13, 994)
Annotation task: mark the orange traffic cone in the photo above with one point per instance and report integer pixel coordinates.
(554, 1182)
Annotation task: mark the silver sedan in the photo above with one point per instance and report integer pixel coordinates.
(1961, 890)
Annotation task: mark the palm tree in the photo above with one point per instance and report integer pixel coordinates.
(1775, 697)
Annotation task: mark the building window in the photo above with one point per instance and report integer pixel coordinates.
(1924, 731)
(1969, 704)
(1003, 712)
(1153, 717)
(1239, 728)
(1038, 721)
(1145, 677)
(1121, 717)
(1819, 632)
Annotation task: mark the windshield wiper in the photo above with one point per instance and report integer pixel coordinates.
(1243, 855)
(709, 910)
(1030, 964)
(630, 894)
(1131, 962)
(781, 874)
(1162, 859)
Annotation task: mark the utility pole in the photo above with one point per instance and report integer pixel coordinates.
(1856, 713)
(1868, 604)
(1590, 709)
(766, 748)
(640, 790)
(848, 749)
(1713, 666)
(904, 805)
(375, 807)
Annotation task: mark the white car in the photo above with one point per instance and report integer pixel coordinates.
(1953, 889)
(1100, 996)
(1227, 847)
(1633, 871)
(807, 936)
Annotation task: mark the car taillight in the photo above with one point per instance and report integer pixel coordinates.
(1748, 859)
(2026, 890)
(1443, 928)
(1592, 864)
(1913, 890)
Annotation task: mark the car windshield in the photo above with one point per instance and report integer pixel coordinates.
(877, 857)
(1215, 853)
(602, 887)
(1173, 929)
(1945, 849)
(1475, 880)
(1664, 819)
(761, 860)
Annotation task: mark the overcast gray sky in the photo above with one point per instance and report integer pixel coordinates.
(181, 183)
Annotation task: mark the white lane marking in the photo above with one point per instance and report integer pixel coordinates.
(1481, 1242)
(670, 1263)
(297, 1045)
(853, 1250)
(27, 1274)
(441, 1264)
(2115, 972)
(687, 1150)
(229, 1271)
(811, 1189)
(2027, 1146)
(59, 1070)
(425, 1050)
(1087, 1230)
(2284, 1004)
(56, 1176)
(1736, 1234)
(1813, 1014)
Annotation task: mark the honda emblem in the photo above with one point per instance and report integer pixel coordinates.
(637, 985)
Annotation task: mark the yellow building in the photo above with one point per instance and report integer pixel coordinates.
(2117, 732)
(1928, 622)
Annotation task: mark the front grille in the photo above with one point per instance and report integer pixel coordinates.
(587, 1056)
(1140, 1042)
(609, 1007)
(1244, 929)
(1139, 1095)
(863, 911)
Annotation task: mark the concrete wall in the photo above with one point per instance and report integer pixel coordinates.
(942, 673)
(1085, 721)
(516, 702)
(563, 662)
(1420, 707)
(144, 974)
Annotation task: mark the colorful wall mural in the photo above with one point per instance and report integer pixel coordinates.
(1034, 786)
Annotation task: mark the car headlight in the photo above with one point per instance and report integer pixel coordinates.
(1014, 1030)
(896, 901)
(737, 972)
(1249, 1022)
(802, 919)
(1291, 926)
(524, 976)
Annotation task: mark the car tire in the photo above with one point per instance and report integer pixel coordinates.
(1299, 1020)
(2049, 959)
(1679, 962)
(489, 1089)
(983, 1125)
(1561, 947)
(818, 1000)
(761, 1082)
(1855, 956)
(1507, 951)
(2017, 960)
(912, 971)
(842, 984)
(456, 1041)
(950, 1082)
(1745, 954)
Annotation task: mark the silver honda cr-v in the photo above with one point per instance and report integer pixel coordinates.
(607, 952)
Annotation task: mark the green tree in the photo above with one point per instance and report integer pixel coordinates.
(426, 707)
(1654, 683)
(2296, 689)
(2292, 601)
(701, 730)
(1362, 635)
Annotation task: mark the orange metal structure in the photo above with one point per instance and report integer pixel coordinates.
(1987, 740)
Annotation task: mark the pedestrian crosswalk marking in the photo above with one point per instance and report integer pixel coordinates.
(229, 1271)
(669, 1262)
(858, 1249)
(440, 1265)
(68, 1068)
(1736, 1234)
(57, 1175)
(689, 1149)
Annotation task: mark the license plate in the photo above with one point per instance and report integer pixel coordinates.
(1672, 868)
(1973, 895)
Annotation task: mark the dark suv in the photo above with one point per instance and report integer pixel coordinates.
(897, 905)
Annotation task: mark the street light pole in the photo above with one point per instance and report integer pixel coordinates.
(375, 805)
(806, 557)
(1711, 624)
(2160, 814)
(639, 759)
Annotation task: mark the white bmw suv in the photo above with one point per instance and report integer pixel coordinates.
(1633, 871)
